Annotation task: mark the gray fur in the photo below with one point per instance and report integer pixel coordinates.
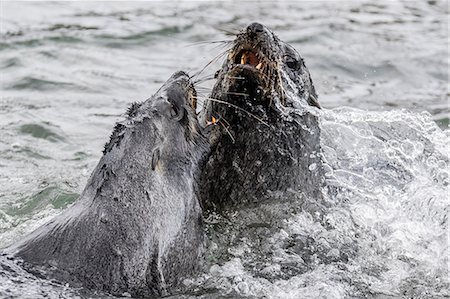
(134, 229)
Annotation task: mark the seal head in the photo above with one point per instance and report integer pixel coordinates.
(265, 69)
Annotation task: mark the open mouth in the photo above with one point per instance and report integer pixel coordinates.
(249, 57)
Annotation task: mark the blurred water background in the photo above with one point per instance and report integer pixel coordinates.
(70, 69)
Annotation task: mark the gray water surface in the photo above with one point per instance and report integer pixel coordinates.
(70, 69)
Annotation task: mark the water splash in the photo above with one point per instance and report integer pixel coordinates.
(381, 232)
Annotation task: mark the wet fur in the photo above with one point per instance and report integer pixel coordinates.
(134, 229)
(260, 162)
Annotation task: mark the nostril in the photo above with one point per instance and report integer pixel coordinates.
(255, 28)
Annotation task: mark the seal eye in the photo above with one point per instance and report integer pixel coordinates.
(292, 63)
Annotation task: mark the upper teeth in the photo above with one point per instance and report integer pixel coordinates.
(243, 58)
(246, 58)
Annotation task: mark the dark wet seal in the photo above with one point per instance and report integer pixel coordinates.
(265, 164)
(137, 227)
(264, 129)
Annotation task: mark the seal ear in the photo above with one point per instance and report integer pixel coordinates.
(155, 157)
(312, 100)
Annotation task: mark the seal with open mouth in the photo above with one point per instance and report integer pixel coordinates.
(265, 138)
(137, 227)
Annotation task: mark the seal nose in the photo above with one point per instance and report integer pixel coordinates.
(179, 74)
(254, 29)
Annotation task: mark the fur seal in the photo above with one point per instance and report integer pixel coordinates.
(265, 142)
(137, 226)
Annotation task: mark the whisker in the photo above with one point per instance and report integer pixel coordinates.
(237, 78)
(237, 93)
(203, 94)
(223, 118)
(212, 61)
(227, 31)
(210, 42)
(228, 131)
(204, 79)
(202, 88)
(239, 108)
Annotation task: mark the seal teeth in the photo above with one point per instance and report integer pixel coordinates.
(244, 58)
(250, 58)
(259, 66)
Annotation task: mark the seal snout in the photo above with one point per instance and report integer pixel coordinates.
(250, 45)
(254, 29)
(252, 51)
(180, 74)
(181, 88)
